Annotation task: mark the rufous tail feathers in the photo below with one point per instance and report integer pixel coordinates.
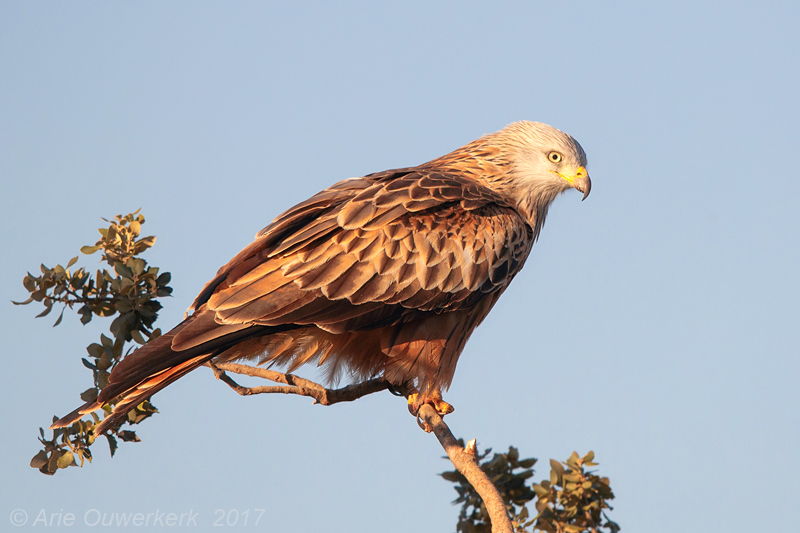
(154, 366)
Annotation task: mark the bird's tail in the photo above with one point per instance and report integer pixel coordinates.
(154, 366)
(132, 396)
(137, 377)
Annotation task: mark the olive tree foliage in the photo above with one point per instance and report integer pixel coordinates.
(572, 500)
(127, 290)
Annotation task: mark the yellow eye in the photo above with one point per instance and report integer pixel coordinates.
(554, 157)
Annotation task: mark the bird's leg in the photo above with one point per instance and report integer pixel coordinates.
(417, 399)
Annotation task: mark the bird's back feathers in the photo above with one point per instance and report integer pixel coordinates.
(385, 274)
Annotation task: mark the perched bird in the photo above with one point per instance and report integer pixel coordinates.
(384, 275)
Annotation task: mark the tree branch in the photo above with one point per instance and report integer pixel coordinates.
(464, 461)
(295, 385)
(462, 458)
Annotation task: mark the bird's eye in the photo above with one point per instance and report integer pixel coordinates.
(554, 157)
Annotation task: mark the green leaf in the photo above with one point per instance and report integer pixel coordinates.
(95, 350)
(60, 316)
(86, 314)
(79, 279)
(540, 490)
(103, 363)
(72, 261)
(29, 282)
(572, 462)
(66, 459)
(89, 395)
(123, 270)
(89, 250)
(163, 291)
(137, 336)
(136, 265)
(123, 306)
(451, 476)
(129, 436)
(143, 244)
(47, 309)
(112, 444)
(104, 309)
(51, 466)
(106, 341)
(39, 460)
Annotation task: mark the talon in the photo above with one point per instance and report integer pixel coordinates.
(423, 425)
(416, 400)
(442, 407)
(413, 406)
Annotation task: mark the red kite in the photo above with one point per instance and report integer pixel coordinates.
(385, 275)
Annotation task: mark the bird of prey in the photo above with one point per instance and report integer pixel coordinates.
(383, 275)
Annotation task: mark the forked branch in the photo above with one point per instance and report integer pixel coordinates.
(462, 458)
(294, 384)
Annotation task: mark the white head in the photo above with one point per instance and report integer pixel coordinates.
(543, 162)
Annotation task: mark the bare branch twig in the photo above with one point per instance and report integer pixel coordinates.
(465, 462)
(463, 459)
(295, 384)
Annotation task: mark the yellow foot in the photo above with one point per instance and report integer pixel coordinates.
(417, 400)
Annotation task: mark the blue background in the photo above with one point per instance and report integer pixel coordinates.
(656, 323)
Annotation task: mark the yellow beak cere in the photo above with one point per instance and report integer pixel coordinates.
(579, 180)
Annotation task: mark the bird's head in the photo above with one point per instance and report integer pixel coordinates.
(542, 163)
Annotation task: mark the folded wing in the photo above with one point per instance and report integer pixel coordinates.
(386, 273)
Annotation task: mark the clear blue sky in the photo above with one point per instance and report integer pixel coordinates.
(656, 323)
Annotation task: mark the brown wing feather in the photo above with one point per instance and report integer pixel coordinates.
(354, 259)
(417, 256)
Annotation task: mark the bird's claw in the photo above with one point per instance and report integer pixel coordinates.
(417, 400)
(424, 426)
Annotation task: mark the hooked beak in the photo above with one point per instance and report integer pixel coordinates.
(579, 180)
